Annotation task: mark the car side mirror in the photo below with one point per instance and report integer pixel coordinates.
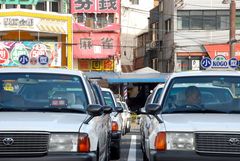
(107, 109)
(95, 110)
(119, 109)
(152, 109)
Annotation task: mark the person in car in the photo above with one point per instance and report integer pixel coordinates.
(193, 95)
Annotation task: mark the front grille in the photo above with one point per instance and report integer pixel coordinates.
(217, 143)
(23, 143)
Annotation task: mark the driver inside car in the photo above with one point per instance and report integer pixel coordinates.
(193, 95)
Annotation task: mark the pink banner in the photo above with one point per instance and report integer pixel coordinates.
(96, 45)
(95, 6)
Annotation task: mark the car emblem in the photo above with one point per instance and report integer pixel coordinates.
(234, 141)
(8, 141)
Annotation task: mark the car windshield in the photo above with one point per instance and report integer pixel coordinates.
(108, 98)
(42, 92)
(203, 95)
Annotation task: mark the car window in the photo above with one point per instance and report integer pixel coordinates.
(27, 90)
(108, 98)
(203, 94)
(157, 96)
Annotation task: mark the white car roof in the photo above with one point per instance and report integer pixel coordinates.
(41, 70)
(106, 89)
(205, 73)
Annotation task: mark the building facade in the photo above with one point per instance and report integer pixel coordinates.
(189, 30)
(35, 33)
(96, 35)
(134, 21)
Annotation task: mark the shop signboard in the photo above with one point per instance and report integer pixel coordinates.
(96, 65)
(27, 53)
(219, 62)
(222, 49)
(95, 6)
(33, 24)
(96, 45)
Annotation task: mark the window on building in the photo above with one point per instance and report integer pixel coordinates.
(55, 6)
(168, 25)
(95, 20)
(209, 20)
(237, 20)
(196, 20)
(42, 6)
(154, 32)
(26, 6)
(9, 6)
(223, 20)
(134, 1)
(183, 20)
(204, 20)
(155, 63)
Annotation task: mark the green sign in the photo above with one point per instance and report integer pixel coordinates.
(17, 51)
(21, 2)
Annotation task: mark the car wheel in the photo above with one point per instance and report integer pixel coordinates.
(116, 152)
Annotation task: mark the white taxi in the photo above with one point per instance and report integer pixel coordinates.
(196, 118)
(50, 115)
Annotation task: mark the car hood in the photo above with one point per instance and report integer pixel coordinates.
(41, 121)
(201, 122)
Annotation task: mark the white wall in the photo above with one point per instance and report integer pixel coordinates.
(134, 21)
(195, 38)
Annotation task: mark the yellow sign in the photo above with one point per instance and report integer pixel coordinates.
(8, 87)
(96, 65)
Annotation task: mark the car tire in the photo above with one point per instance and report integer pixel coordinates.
(116, 152)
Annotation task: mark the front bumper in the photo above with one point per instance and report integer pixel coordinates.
(91, 156)
(189, 156)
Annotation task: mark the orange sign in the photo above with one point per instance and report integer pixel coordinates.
(222, 49)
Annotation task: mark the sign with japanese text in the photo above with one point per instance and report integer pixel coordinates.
(95, 6)
(29, 53)
(96, 45)
(33, 24)
(96, 65)
(222, 49)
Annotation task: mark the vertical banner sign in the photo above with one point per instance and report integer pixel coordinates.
(30, 53)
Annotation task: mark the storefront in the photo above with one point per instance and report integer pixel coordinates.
(189, 61)
(96, 35)
(36, 38)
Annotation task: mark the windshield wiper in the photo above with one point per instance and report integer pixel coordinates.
(68, 110)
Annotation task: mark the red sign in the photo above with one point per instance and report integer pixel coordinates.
(96, 45)
(222, 49)
(38, 49)
(95, 6)
(4, 55)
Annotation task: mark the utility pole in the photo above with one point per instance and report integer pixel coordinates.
(232, 34)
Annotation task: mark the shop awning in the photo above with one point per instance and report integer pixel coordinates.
(118, 78)
(221, 49)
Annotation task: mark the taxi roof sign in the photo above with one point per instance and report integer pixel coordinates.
(219, 62)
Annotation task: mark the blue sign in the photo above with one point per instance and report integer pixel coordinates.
(43, 60)
(23, 59)
(233, 63)
(206, 62)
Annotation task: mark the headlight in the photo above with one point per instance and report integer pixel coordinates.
(180, 141)
(63, 143)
